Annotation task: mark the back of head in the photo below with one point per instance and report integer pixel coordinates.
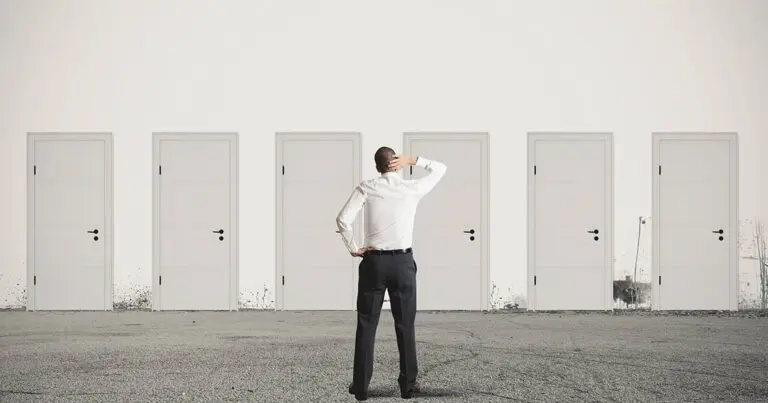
(382, 158)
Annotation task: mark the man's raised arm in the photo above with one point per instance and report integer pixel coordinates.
(435, 172)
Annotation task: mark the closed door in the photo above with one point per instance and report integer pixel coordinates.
(451, 230)
(316, 174)
(196, 238)
(70, 222)
(695, 203)
(570, 221)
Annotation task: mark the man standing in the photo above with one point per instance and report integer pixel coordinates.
(387, 261)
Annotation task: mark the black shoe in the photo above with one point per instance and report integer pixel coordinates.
(359, 396)
(412, 391)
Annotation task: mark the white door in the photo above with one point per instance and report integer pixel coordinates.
(70, 222)
(195, 221)
(695, 212)
(316, 172)
(450, 238)
(570, 221)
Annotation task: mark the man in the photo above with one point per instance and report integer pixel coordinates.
(387, 261)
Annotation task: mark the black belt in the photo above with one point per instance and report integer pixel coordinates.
(389, 252)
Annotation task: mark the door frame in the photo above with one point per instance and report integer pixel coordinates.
(106, 137)
(606, 137)
(733, 222)
(234, 212)
(485, 221)
(280, 139)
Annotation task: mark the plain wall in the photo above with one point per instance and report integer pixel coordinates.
(380, 68)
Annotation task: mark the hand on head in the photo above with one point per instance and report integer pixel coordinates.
(387, 161)
(399, 162)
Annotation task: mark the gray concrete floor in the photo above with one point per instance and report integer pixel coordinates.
(307, 356)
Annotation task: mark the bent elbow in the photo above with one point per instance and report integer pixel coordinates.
(439, 167)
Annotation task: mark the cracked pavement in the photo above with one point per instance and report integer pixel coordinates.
(307, 356)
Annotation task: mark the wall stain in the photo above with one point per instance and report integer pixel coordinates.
(137, 298)
(507, 302)
(16, 297)
(259, 299)
(753, 278)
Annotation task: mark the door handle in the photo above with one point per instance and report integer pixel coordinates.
(221, 231)
(94, 231)
(720, 231)
(472, 231)
(338, 232)
(594, 232)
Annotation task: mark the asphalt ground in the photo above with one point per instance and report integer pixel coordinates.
(307, 357)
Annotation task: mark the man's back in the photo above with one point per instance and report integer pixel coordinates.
(390, 207)
(390, 211)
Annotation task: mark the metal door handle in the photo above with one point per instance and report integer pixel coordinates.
(94, 231)
(472, 231)
(221, 231)
(718, 231)
(594, 232)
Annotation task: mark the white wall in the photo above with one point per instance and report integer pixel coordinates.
(257, 67)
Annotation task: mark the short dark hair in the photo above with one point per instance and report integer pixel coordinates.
(382, 158)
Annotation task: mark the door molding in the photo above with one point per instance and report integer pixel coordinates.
(234, 213)
(606, 137)
(733, 222)
(108, 237)
(484, 139)
(280, 139)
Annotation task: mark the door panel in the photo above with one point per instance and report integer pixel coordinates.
(571, 232)
(70, 198)
(194, 208)
(320, 173)
(450, 265)
(694, 201)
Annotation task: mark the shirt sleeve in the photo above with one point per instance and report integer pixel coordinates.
(347, 216)
(435, 172)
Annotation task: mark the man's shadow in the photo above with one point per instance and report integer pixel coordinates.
(425, 392)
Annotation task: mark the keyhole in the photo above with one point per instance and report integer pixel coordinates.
(597, 238)
(221, 238)
(95, 238)
(721, 238)
(471, 238)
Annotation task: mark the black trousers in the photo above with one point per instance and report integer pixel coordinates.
(395, 273)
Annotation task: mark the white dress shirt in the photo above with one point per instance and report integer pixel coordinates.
(390, 209)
